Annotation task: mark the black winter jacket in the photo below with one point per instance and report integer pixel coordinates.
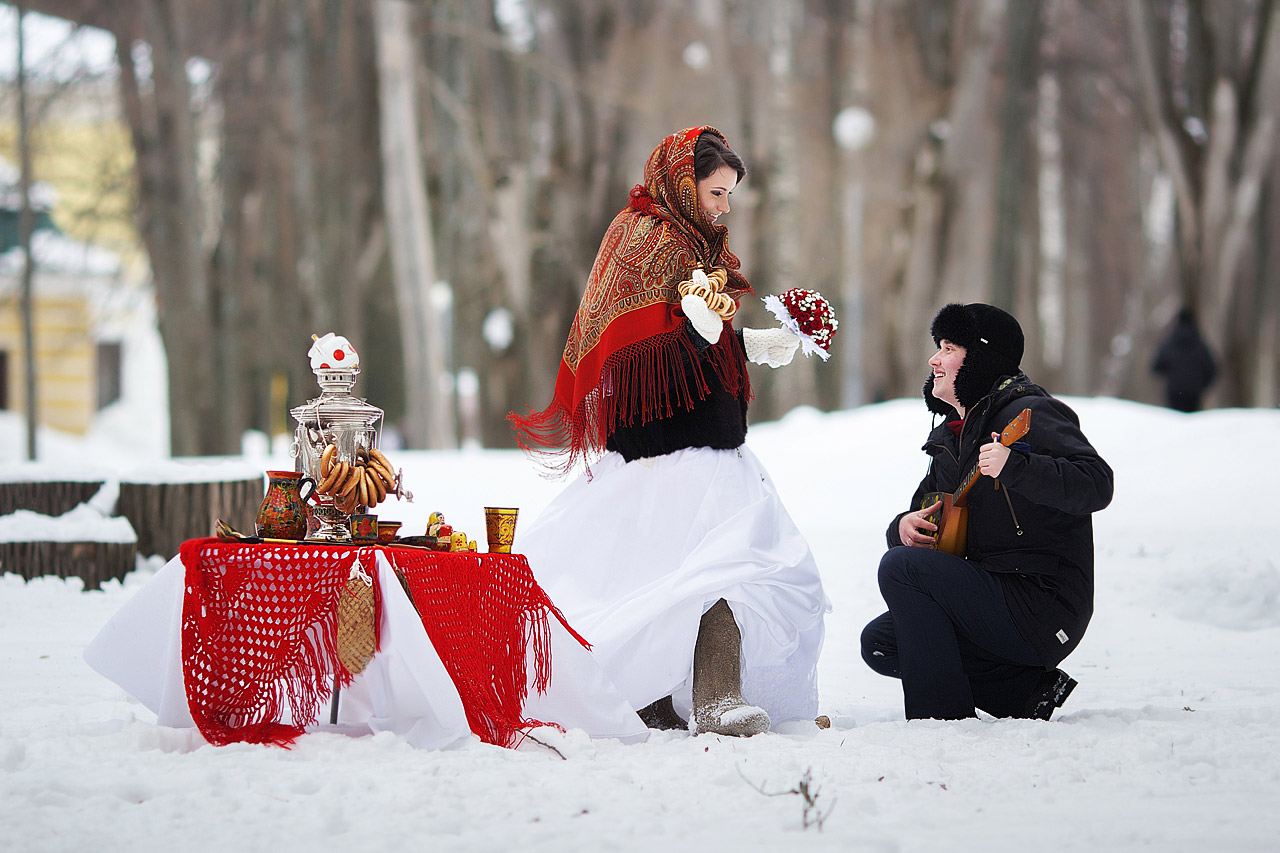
(1033, 528)
(719, 420)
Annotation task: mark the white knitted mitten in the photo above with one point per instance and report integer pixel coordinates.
(705, 321)
(774, 347)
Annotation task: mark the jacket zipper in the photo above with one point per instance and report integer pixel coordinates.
(1012, 514)
(1018, 392)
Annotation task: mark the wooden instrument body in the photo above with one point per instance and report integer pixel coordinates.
(952, 517)
(952, 520)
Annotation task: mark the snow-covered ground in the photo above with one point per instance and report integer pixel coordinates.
(1170, 742)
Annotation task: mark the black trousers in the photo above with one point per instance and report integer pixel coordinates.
(950, 637)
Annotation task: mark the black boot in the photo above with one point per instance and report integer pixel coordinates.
(662, 715)
(1051, 691)
(718, 706)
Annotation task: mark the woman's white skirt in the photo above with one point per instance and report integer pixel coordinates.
(635, 554)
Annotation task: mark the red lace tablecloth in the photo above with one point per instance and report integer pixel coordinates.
(482, 611)
(259, 624)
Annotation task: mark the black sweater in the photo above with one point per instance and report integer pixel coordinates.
(719, 420)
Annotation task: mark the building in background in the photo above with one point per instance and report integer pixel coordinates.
(87, 316)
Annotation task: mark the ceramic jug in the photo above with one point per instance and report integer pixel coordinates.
(283, 514)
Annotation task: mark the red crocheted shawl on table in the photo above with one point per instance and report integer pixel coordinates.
(259, 626)
(259, 635)
(482, 613)
(623, 363)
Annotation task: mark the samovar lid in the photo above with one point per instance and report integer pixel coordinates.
(336, 365)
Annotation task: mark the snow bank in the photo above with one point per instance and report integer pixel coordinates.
(82, 524)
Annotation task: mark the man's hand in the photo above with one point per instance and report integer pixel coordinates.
(705, 321)
(916, 530)
(991, 457)
(774, 347)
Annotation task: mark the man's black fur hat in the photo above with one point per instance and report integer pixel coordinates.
(993, 345)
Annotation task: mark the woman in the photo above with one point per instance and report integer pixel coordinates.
(672, 554)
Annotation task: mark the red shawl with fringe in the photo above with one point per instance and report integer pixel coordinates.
(259, 636)
(623, 361)
(484, 613)
(259, 626)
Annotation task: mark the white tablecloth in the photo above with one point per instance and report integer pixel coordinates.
(405, 689)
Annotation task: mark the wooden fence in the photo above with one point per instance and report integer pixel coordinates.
(163, 515)
(93, 562)
(46, 497)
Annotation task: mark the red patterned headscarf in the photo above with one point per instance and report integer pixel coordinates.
(623, 361)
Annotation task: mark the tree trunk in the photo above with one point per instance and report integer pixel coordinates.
(28, 263)
(1249, 164)
(1017, 126)
(797, 386)
(968, 165)
(429, 417)
(170, 224)
(1265, 378)
(855, 47)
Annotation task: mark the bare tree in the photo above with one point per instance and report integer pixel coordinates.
(429, 418)
(1213, 109)
(171, 218)
(25, 227)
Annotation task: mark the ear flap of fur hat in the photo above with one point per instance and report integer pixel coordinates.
(977, 376)
(935, 405)
(995, 353)
(953, 323)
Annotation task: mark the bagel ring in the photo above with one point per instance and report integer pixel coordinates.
(711, 293)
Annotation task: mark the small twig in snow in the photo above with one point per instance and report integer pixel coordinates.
(810, 814)
(526, 735)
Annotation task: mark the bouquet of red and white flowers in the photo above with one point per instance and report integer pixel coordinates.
(809, 315)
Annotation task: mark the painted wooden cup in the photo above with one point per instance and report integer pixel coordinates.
(364, 527)
(387, 531)
(500, 528)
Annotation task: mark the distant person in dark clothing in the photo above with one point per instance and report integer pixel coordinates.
(1185, 362)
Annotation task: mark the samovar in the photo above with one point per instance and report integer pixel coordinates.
(339, 418)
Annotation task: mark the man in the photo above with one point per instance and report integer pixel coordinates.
(987, 630)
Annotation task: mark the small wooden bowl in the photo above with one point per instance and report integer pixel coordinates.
(387, 531)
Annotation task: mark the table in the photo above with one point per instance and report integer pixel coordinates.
(236, 640)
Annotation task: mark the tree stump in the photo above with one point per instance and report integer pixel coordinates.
(165, 515)
(46, 497)
(93, 562)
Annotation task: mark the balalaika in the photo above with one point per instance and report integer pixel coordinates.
(952, 517)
